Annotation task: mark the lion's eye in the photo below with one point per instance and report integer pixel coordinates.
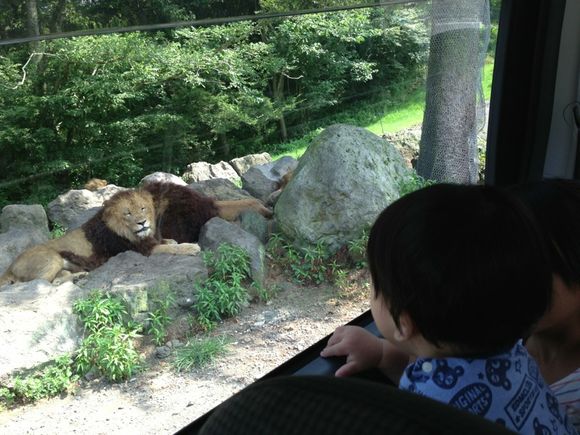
(143, 208)
(128, 213)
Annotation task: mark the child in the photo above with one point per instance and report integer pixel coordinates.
(460, 274)
(555, 341)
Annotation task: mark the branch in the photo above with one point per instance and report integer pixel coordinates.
(26, 64)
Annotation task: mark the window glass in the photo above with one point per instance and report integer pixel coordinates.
(354, 103)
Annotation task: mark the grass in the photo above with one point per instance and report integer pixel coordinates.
(198, 353)
(407, 112)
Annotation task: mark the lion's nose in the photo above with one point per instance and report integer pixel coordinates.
(142, 223)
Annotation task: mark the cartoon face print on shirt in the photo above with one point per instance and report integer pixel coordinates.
(416, 373)
(445, 376)
(496, 372)
(540, 429)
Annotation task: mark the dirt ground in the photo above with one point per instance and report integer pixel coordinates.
(162, 401)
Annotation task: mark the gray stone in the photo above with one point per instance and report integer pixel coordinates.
(75, 207)
(217, 231)
(15, 241)
(37, 323)
(242, 164)
(256, 224)
(261, 180)
(139, 279)
(200, 171)
(162, 352)
(18, 216)
(220, 189)
(162, 177)
(347, 176)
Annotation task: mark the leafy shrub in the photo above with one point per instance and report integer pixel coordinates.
(108, 347)
(159, 317)
(312, 265)
(223, 293)
(100, 310)
(198, 353)
(54, 379)
(110, 352)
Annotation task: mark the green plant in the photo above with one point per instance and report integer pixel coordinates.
(199, 352)
(265, 294)
(223, 293)
(50, 381)
(57, 231)
(413, 182)
(7, 398)
(357, 249)
(111, 352)
(310, 265)
(108, 346)
(159, 318)
(100, 310)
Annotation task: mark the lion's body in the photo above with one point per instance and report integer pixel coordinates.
(137, 220)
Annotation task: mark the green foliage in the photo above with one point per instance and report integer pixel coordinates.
(100, 310)
(357, 249)
(222, 294)
(110, 352)
(198, 353)
(108, 347)
(159, 318)
(120, 106)
(312, 265)
(413, 182)
(55, 378)
(57, 231)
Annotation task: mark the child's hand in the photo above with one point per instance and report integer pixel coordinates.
(363, 350)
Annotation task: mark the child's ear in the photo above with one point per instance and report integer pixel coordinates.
(406, 329)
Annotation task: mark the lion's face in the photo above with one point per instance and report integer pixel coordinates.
(131, 215)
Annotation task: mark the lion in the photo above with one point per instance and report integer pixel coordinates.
(95, 184)
(159, 218)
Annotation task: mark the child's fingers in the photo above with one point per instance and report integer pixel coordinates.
(333, 350)
(350, 368)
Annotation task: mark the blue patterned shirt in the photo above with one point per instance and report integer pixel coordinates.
(506, 388)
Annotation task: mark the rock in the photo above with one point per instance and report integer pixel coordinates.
(75, 207)
(347, 176)
(16, 241)
(217, 231)
(162, 177)
(256, 224)
(242, 164)
(200, 171)
(220, 189)
(37, 323)
(139, 279)
(19, 216)
(162, 352)
(261, 180)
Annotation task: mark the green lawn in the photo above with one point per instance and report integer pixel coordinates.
(404, 115)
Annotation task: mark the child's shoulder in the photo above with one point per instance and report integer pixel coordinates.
(506, 388)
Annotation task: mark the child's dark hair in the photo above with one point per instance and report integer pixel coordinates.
(556, 205)
(467, 263)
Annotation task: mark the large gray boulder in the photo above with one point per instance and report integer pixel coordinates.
(217, 231)
(135, 278)
(18, 216)
(75, 207)
(262, 180)
(347, 176)
(37, 324)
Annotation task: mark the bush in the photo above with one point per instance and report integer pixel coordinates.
(223, 293)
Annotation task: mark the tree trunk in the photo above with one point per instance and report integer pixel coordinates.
(279, 99)
(448, 150)
(57, 17)
(32, 25)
